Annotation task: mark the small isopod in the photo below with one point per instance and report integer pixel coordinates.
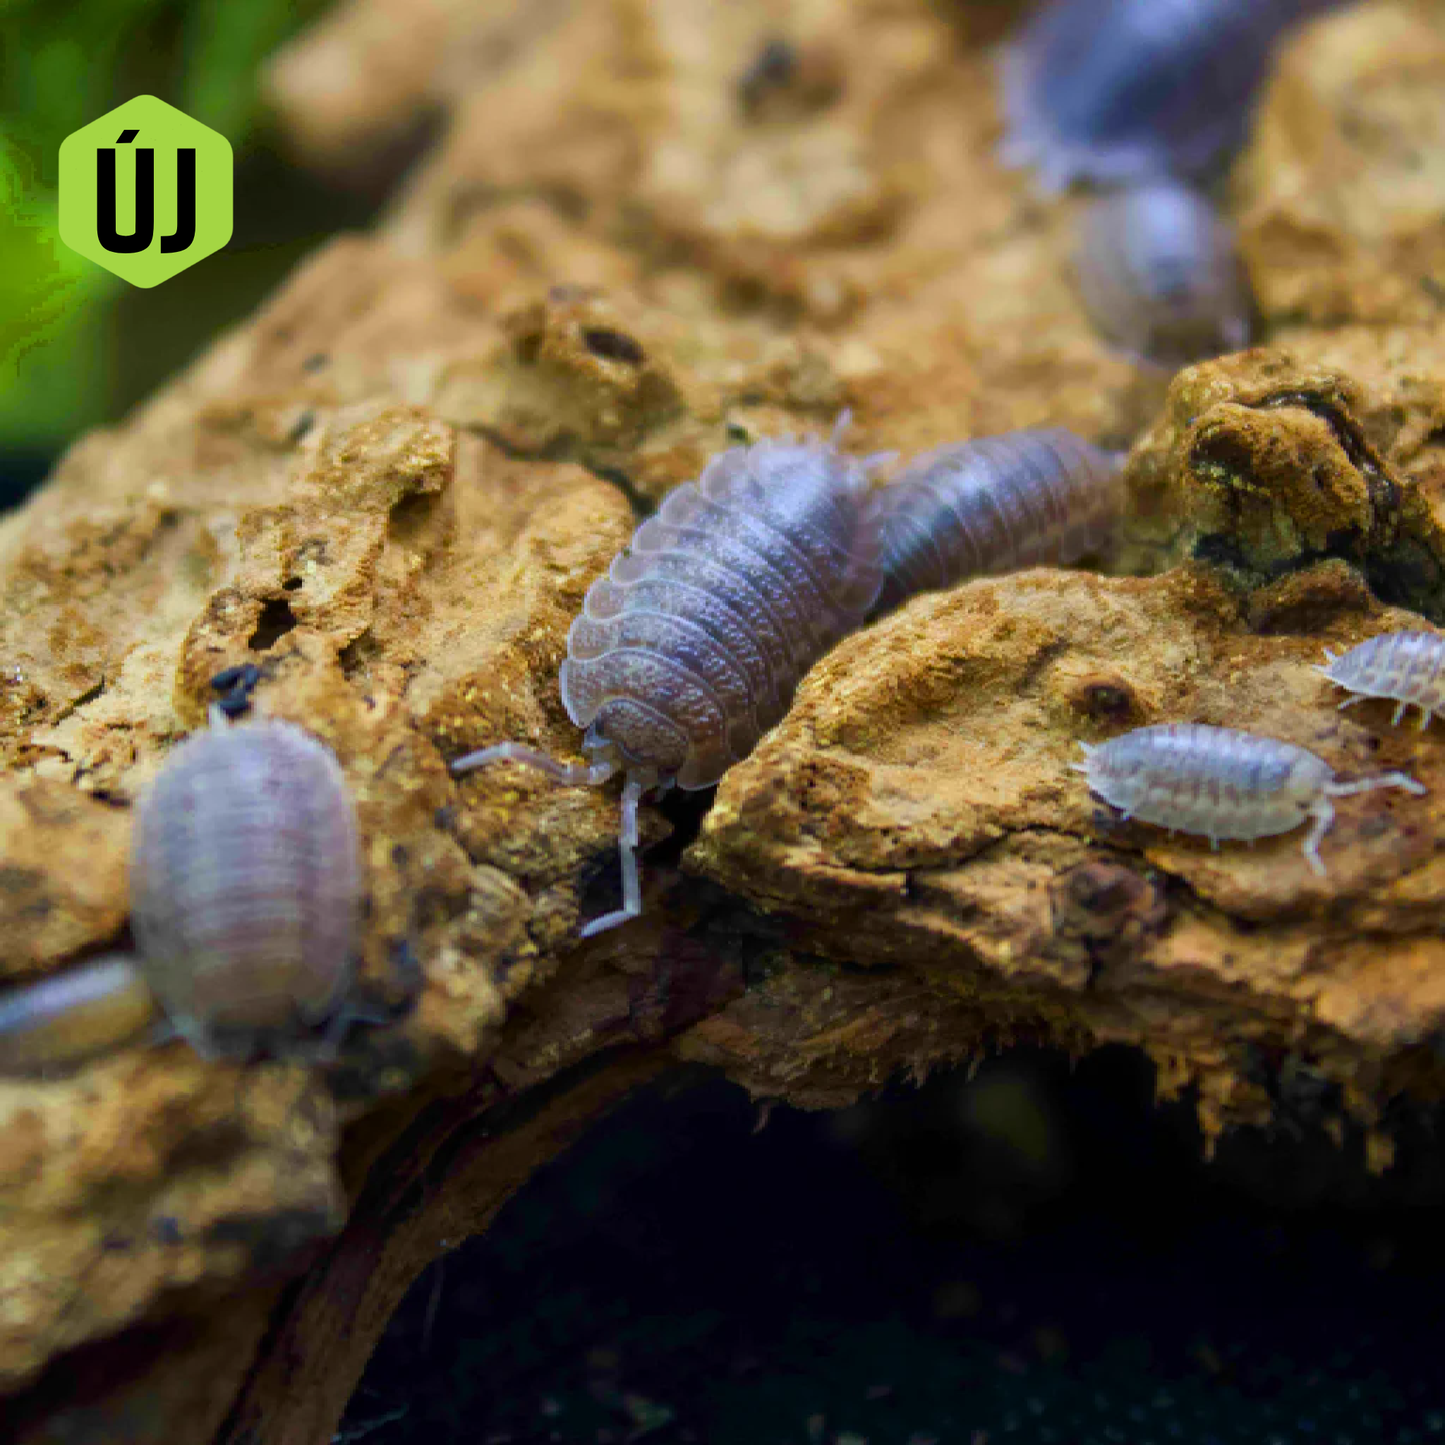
(1160, 276)
(996, 504)
(61, 1021)
(691, 647)
(1222, 783)
(1117, 90)
(245, 881)
(246, 887)
(1406, 667)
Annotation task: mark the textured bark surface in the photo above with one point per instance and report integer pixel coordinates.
(390, 490)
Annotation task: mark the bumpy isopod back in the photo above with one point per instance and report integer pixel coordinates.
(692, 645)
(61, 1021)
(1117, 90)
(1406, 667)
(1222, 783)
(994, 505)
(1160, 276)
(245, 885)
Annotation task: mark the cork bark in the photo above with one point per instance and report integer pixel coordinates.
(632, 244)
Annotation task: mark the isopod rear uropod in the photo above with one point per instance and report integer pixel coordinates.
(1222, 783)
(1408, 668)
(691, 647)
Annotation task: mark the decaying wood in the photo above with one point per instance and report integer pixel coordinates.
(389, 491)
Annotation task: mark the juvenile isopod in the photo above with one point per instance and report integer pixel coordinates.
(1222, 783)
(1406, 667)
(1160, 276)
(691, 647)
(246, 887)
(63, 1020)
(996, 504)
(1117, 90)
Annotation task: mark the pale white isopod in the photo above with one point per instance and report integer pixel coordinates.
(1406, 667)
(1222, 783)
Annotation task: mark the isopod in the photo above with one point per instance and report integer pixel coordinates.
(1222, 783)
(1117, 90)
(246, 887)
(61, 1021)
(1406, 667)
(691, 647)
(1160, 276)
(995, 504)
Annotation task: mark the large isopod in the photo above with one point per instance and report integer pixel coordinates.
(1222, 783)
(1160, 276)
(996, 504)
(691, 646)
(1406, 667)
(1118, 90)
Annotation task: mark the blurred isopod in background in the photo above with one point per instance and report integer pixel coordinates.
(1160, 276)
(1118, 90)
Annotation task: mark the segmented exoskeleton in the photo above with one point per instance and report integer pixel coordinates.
(692, 645)
(245, 891)
(1222, 783)
(246, 887)
(1406, 667)
(995, 504)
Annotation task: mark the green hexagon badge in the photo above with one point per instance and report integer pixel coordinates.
(145, 191)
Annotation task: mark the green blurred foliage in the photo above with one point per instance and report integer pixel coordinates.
(60, 67)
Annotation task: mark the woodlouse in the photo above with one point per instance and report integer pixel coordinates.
(1222, 783)
(1406, 667)
(1116, 90)
(691, 647)
(1160, 276)
(995, 504)
(246, 886)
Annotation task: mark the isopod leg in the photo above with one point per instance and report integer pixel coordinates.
(1366, 785)
(1324, 812)
(1399, 713)
(876, 461)
(1350, 702)
(1324, 815)
(577, 775)
(627, 850)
